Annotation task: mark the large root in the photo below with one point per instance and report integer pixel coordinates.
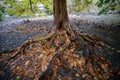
(86, 62)
(26, 43)
(80, 55)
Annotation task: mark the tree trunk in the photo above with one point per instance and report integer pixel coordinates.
(60, 13)
(31, 8)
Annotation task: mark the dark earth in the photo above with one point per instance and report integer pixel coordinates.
(13, 34)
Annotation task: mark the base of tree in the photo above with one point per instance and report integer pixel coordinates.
(64, 54)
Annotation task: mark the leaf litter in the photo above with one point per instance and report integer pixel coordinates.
(72, 62)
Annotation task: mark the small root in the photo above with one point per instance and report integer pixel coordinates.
(26, 43)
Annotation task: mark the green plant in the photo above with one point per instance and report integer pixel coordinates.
(2, 9)
(1, 14)
(108, 6)
(28, 7)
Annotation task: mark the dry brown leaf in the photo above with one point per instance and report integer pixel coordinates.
(27, 62)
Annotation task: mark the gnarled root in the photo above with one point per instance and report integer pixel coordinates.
(79, 58)
(76, 53)
(26, 43)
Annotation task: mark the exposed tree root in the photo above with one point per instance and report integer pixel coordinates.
(26, 43)
(79, 55)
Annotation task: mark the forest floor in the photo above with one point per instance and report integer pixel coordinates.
(12, 35)
(14, 32)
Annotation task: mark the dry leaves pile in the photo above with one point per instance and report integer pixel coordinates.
(62, 59)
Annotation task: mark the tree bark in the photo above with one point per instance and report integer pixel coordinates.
(60, 13)
(31, 5)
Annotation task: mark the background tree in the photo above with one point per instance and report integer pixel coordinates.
(1, 13)
(109, 6)
(27, 7)
(2, 9)
(48, 4)
(83, 4)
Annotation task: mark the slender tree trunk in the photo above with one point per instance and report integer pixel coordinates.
(31, 5)
(60, 13)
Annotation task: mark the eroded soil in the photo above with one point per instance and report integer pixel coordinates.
(14, 37)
